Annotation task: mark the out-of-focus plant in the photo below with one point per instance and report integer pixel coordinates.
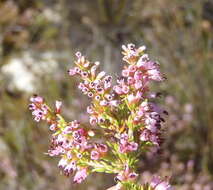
(126, 121)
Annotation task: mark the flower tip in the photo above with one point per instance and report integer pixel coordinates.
(78, 54)
(142, 48)
(58, 105)
(80, 175)
(71, 72)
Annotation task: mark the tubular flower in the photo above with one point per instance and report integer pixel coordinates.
(159, 184)
(126, 175)
(80, 175)
(124, 120)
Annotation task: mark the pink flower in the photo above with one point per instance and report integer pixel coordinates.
(32, 106)
(78, 54)
(114, 103)
(132, 68)
(79, 135)
(37, 99)
(90, 94)
(134, 99)
(53, 127)
(126, 175)
(69, 168)
(81, 86)
(138, 84)
(142, 61)
(101, 75)
(102, 148)
(39, 110)
(55, 152)
(101, 119)
(62, 163)
(125, 73)
(130, 53)
(93, 120)
(154, 74)
(130, 80)
(151, 124)
(132, 146)
(95, 155)
(107, 85)
(84, 74)
(60, 139)
(73, 125)
(72, 72)
(80, 175)
(125, 89)
(94, 68)
(39, 114)
(90, 110)
(144, 106)
(126, 146)
(147, 135)
(138, 75)
(103, 103)
(58, 105)
(159, 184)
(118, 89)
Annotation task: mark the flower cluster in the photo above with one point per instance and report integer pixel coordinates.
(124, 114)
(39, 110)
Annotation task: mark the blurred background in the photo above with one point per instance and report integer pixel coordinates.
(38, 39)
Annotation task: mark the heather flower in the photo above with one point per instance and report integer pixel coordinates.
(62, 163)
(102, 148)
(69, 168)
(39, 109)
(58, 105)
(131, 53)
(133, 99)
(95, 155)
(126, 146)
(37, 99)
(124, 120)
(158, 184)
(80, 175)
(126, 175)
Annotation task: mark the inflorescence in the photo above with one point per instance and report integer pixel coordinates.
(125, 121)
